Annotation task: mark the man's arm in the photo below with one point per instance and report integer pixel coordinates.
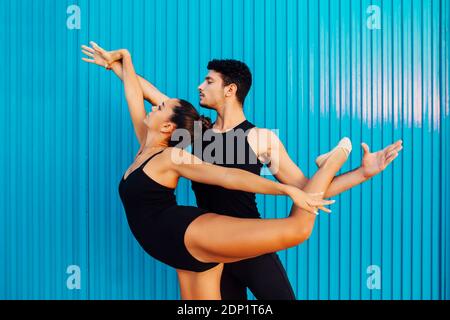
(345, 182)
(272, 151)
(372, 164)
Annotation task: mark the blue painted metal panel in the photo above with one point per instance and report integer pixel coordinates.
(320, 72)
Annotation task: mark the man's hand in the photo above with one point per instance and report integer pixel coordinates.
(373, 163)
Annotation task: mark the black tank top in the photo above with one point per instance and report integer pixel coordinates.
(235, 152)
(142, 196)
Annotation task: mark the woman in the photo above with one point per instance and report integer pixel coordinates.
(192, 240)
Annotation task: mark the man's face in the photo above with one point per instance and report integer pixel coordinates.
(212, 92)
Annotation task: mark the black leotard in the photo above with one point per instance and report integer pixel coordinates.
(157, 222)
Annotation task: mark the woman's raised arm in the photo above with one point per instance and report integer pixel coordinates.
(150, 92)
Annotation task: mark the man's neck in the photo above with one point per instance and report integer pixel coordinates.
(229, 117)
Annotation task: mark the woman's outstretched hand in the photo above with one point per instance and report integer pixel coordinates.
(310, 202)
(94, 57)
(99, 56)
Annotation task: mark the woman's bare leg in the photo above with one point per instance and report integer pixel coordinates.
(319, 183)
(200, 285)
(218, 238)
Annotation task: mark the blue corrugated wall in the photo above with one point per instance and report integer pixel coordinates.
(322, 70)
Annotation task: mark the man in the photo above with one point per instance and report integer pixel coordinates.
(239, 144)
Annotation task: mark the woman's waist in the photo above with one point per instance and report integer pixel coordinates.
(147, 207)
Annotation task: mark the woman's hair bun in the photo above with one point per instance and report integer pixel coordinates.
(206, 122)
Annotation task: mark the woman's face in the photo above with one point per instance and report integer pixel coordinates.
(160, 116)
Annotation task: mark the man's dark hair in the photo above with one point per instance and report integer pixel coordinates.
(234, 71)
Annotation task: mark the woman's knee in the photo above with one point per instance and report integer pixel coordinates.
(295, 234)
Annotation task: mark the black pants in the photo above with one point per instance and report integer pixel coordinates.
(264, 276)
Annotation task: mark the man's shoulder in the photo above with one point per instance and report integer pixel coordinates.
(263, 141)
(262, 134)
